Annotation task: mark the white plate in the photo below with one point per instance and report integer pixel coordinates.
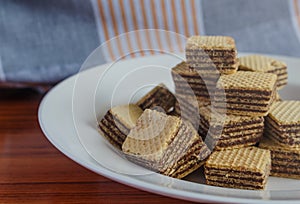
(68, 113)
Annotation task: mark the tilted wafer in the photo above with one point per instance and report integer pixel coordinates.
(283, 123)
(212, 54)
(260, 63)
(158, 97)
(229, 131)
(190, 82)
(285, 160)
(245, 168)
(117, 122)
(165, 144)
(242, 88)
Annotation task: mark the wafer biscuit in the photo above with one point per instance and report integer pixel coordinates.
(250, 86)
(285, 160)
(211, 54)
(283, 123)
(189, 82)
(117, 122)
(245, 168)
(260, 63)
(158, 97)
(229, 131)
(165, 144)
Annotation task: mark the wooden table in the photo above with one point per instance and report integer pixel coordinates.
(33, 170)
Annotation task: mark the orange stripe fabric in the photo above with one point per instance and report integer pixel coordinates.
(124, 21)
(175, 23)
(135, 24)
(184, 15)
(115, 27)
(154, 15)
(195, 24)
(166, 24)
(296, 6)
(146, 26)
(105, 30)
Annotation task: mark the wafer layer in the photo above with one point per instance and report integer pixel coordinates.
(117, 122)
(259, 63)
(247, 93)
(245, 168)
(285, 160)
(229, 131)
(159, 96)
(212, 53)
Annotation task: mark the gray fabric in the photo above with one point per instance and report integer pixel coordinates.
(45, 40)
(263, 26)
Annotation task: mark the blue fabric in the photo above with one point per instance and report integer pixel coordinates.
(263, 26)
(45, 41)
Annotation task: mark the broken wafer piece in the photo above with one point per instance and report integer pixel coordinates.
(117, 122)
(283, 123)
(244, 168)
(229, 131)
(158, 97)
(165, 144)
(285, 160)
(260, 63)
(212, 54)
(247, 93)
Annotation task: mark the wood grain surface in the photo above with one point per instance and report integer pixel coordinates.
(32, 170)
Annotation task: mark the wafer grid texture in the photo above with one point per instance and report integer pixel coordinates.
(165, 144)
(259, 63)
(212, 54)
(158, 97)
(222, 132)
(283, 123)
(285, 160)
(117, 122)
(245, 168)
(247, 93)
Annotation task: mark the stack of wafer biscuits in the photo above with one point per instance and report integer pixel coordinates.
(117, 122)
(244, 168)
(158, 98)
(263, 64)
(209, 54)
(283, 123)
(285, 159)
(247, 93)
(165, 144)
(229, 131)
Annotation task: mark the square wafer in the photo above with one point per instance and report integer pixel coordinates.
(264, 64)
(158, 98)
(165, 144)
(229, 131)
(247, 93)
(285, 160)
(211, 54)
(283, 123)
(244, 168)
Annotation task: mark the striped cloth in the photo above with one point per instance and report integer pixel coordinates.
(46, 41)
